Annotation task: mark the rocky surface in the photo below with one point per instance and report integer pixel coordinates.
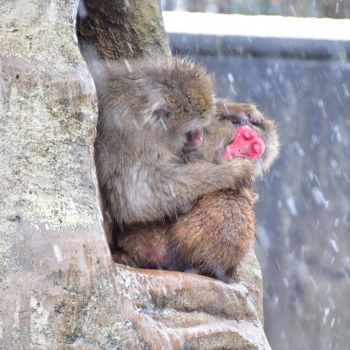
(58, 286)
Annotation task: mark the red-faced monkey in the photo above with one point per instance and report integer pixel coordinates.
(150, 112)
(214, 236)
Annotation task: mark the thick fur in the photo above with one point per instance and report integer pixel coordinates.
(146, 110)
(214, 236)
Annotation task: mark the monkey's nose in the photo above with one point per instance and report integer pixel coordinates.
(194, 138)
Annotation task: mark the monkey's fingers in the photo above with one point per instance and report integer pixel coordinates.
(238, 112)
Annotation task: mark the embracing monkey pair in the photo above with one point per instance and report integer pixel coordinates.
(171, 198)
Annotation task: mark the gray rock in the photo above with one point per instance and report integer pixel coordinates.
(58, 286)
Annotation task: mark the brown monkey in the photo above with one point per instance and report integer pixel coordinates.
(150, 110)
(216, 233)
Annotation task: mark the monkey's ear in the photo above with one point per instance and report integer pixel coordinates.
(162, 112)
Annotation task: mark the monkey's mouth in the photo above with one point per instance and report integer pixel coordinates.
(194, 139)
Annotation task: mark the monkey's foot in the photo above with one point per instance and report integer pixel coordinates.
(121, 256)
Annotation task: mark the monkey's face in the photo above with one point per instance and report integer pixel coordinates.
(182, 134)
(216, 137)
(184, 117)
(182, 103)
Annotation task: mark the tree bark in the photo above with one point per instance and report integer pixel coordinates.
(121, 29)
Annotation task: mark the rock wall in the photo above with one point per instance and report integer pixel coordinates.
(58, 286)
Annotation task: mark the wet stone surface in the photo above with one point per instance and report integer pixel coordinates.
(58, 286)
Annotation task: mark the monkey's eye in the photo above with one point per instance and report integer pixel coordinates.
(163, 113)
(239, 120)
(235, 122)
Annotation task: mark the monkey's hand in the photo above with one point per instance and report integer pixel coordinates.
(238, 112)
(239, 172)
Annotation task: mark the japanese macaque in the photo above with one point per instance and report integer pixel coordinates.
(214, 236)
(217, 233)
(150, 112)
(230, 115)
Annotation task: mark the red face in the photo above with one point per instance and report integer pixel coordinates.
(246, 144)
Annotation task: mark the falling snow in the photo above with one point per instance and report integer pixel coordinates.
(304, 206)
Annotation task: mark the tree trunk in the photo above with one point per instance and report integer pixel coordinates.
(59, 288)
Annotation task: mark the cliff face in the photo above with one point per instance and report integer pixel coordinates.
(58, 286)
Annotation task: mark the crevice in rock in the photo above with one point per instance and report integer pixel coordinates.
(110, 30)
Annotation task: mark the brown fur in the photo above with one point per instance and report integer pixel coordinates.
(147, 109)
(216, 233)
(145, 246)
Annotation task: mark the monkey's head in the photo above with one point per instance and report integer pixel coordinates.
(180, 102)
(219, 143)
(217, 136)
(225, 140)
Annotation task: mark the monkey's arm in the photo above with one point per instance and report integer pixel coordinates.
(145, 193)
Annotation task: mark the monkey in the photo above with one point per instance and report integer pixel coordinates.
(146, 246)
(214, 236)
(150, 111)
(263, 126)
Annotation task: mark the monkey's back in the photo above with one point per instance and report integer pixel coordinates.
(217, 233)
